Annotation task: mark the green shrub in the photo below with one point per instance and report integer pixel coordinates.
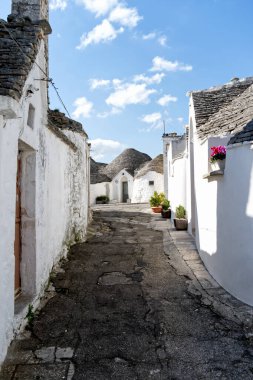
(180, 212)
(157, 199)
(102, 198)
(165, 204)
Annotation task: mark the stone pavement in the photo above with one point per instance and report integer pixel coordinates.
(134, 302)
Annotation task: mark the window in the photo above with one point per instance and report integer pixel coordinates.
(31, 114)
(151, 183)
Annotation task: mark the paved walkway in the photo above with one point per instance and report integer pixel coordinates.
(127, 305)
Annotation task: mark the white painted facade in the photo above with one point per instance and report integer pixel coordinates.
(175, 164)
(54, 198)
(97, 189)
(143, 189)
(222, 209)
(117, 186)
(219, 208)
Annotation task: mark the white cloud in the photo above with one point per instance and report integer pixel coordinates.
(149, 36)
(161, 64)
(155, 79)
(100, 33)
(98, 83)
(180, 119)
(130, 93)
(113, 111)
(164, 100)
(151, 118)
(162, 40)
(125, 16)
(83, 107)
(99, 7)
(58, 4)
(101, 149)
(154, 120)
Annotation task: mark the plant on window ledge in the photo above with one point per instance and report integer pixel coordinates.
(218, 156)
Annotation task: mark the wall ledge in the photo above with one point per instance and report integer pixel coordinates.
(214, 174)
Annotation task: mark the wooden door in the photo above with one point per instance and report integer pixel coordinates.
(17, 244)
(125, 191)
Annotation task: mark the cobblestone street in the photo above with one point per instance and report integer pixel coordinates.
(119, 308)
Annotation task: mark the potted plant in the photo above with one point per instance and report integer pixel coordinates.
(166, 211)
(102, 199)
(180, 221)
(156, 201)
(218, 157)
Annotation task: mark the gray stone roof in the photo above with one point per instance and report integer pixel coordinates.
(209, 102)
(61, 121)
(155, 165)
(14, 66)
(129, 159)
(224, 110)
(96, 172)
(245, 135)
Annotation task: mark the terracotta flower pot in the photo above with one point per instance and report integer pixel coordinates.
(157, 210)
(181, 224)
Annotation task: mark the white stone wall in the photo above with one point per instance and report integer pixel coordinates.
(97, 189)
(54, 202)
(176, 163)
(142, 191)
(116, 186)
(221, 215)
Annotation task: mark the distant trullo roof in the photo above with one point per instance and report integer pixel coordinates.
(96, 172)
(129, 159)
(156, 165)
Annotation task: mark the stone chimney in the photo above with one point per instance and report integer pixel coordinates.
(35, 9)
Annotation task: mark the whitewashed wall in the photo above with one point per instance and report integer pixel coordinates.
(223, 215)
(176, 157)
(142, 191)
(225, 221)
(54, 201)
(97, 189)
(116, 185)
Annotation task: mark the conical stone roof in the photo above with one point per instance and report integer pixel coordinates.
(156, 165)
(129, 159)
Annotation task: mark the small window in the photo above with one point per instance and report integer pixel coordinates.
(31, 114)
(151, 183)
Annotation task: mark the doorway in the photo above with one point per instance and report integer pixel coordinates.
(17, 243)
(124, 191)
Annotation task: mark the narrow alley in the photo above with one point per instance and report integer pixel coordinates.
(119, 310)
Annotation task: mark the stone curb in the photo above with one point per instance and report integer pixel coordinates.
(183, 255)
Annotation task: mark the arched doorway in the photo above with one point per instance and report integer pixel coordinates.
(124, 189)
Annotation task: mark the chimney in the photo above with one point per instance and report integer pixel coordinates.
(35, 9)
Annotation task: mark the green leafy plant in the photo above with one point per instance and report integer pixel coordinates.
(165, 204)
(180, 212)
(157, 199)
(102, 198)
(30, 315)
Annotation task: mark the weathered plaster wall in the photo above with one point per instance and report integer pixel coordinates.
(142, 191)
(54, 200)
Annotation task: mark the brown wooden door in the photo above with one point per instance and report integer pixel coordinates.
(17, 244)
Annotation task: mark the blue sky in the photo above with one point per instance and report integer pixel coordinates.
(122, 67)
